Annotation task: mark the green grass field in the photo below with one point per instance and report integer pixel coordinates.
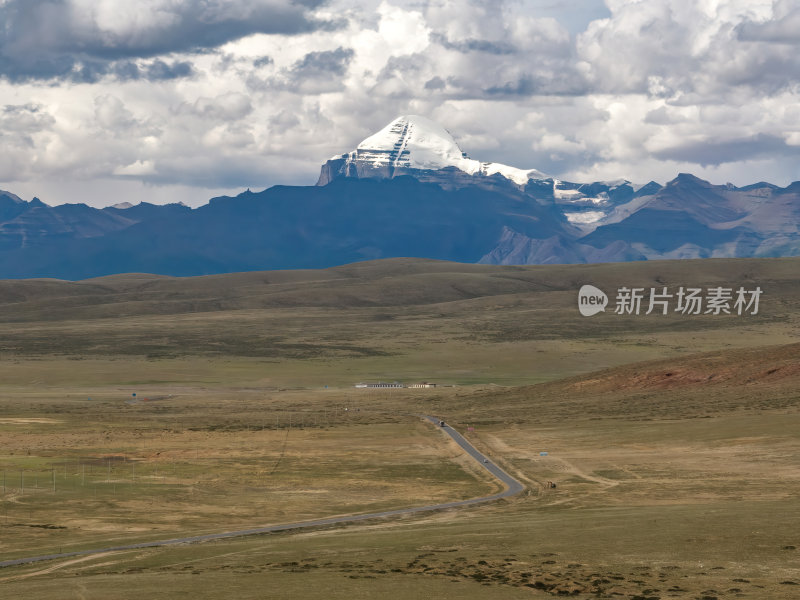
(673, 440)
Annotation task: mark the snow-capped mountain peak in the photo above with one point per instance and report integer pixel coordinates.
(411, 144)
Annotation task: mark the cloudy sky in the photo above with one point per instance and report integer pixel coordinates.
(179, 100)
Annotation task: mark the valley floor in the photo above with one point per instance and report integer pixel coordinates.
(674, 446)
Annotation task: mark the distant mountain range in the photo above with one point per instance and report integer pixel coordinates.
(408, 190)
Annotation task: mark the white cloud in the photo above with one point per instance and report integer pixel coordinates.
(136, 169)
(793, 138)
(654, 87)
(111, 113)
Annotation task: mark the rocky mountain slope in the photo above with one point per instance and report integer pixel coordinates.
(408, 190)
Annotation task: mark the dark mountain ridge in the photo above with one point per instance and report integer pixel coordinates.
(406, 191)
(352, 219)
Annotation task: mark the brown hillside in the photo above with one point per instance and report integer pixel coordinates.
(704, 385)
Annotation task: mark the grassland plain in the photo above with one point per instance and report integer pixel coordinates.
(673, 440)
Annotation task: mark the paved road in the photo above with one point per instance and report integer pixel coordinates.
(512, 487)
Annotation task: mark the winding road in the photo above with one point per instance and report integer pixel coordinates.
(513, 487)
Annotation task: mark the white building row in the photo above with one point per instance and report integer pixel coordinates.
(396, 384)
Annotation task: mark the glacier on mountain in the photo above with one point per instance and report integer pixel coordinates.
(411, 144)
(416, 146)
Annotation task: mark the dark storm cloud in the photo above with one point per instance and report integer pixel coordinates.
(436, 83)
(263, 61)
(769, 72)
(316, 73)
(127, 70)
(51, 39)
(541, 84)
(322, 64)
(717, 152)
(474, 45)
(160, 70)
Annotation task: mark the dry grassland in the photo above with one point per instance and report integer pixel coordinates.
(674, 443)
(106, 472)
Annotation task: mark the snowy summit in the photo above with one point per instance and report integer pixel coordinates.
(411, 144)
